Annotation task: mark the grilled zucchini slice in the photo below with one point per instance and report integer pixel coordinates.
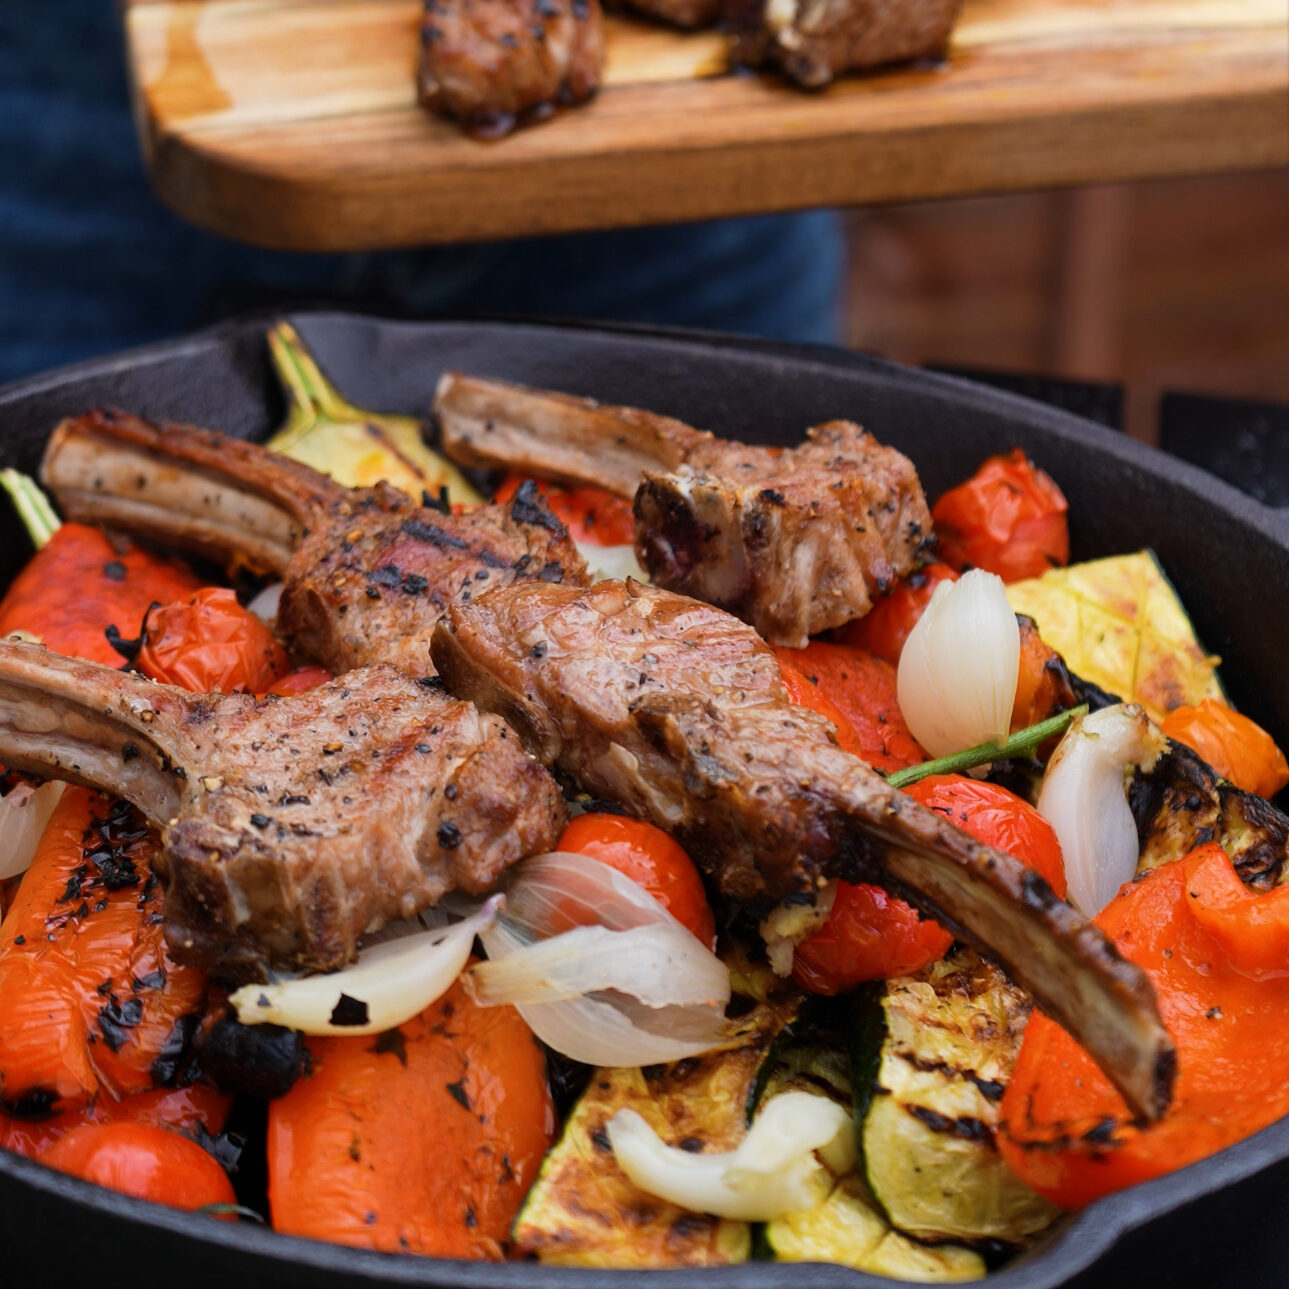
(1119, 624)
(930, 1061)
(847, 1229)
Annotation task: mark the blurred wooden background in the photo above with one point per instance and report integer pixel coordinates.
(1179, 284)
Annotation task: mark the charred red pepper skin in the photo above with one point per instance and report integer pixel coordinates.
(78, 584)
(1216, 953)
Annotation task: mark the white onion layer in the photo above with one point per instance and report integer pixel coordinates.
(264, 605)
(599, 969)
(957, 676)
(393, 980)
(1083, 797)
(772, 1172)
(23, 816)
(612, 562)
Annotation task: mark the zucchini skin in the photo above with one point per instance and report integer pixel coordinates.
(931, 1055)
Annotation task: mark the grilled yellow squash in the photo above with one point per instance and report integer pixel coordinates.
(1118, 623)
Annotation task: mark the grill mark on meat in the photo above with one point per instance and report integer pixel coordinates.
(377, 838)
(765, 801)
(794, 542)
(367, 572)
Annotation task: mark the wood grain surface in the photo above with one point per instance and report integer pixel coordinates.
(293, 123)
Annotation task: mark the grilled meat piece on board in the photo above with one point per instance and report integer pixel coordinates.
(813, 41)
(490, 62)
(793, 542)
(367, 571)
(677, 711)
(290, 826)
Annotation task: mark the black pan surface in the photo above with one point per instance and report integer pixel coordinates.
(1219, 1222)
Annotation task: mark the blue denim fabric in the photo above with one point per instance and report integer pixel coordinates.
(90, 261)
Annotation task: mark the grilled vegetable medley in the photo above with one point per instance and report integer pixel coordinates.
(615, 846)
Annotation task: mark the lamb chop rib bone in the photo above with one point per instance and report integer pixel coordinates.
(367, 571)
(290, 827)
(794, 542)
(677, 710)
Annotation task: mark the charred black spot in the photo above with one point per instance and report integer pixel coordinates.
(458, 1093)
(391, 1043)
(129, 752)
(114, 571)
(449, 835)
(260, 1060)
(600, 1140)
(772, 497)
(528, 506)
(349, 1011)
(170, 1063)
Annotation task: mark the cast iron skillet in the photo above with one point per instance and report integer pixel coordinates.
(1213, 1223)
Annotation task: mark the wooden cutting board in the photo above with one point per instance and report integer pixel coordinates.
(293, 123)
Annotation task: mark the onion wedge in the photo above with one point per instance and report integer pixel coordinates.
(773, 1171)
(599, 969)
(23, 816)
(390, 983)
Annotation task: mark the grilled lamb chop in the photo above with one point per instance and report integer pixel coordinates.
(793, 542)
(813, 41)
(290, 826)
(677, 711)
(490, 62)
(367, 571)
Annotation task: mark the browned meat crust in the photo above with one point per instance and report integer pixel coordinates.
(793, 542)
(490, 62)
(367, 571)
(290, 826)
(813, 41)
(677, 711)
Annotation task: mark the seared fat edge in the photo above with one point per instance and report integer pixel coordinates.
(677, 710)
(290, 826)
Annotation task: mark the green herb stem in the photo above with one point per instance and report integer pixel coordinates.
(1022, 743)
(33, 507)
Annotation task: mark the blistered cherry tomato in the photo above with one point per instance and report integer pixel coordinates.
(300, 681)
(651, 859)
(1008, 518)
(142, 1160)
(208, 642)
(590, 514)
(998, 818)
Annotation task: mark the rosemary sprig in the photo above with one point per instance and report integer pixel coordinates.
(1022, 743)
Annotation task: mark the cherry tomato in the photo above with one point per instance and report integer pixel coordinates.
(210, 642)
(1237, 748)
(590, 514)
(651, 859)
(886, 626)
(853, 684)
(300, 681)
(142, 1160)
(1008, 518)
(998, 818)
(869, 935)
(806, 693)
